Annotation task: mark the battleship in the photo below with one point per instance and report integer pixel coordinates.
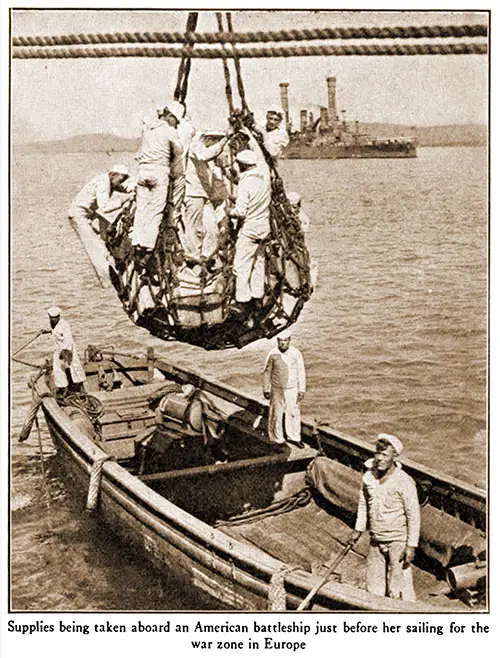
(330, 136)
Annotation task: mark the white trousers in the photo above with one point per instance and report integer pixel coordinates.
(284, 404)
(151, 199)
(192, 235)
(59, 370)
(385, 575)
(249, 267)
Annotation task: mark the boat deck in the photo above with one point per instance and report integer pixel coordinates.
(309, 536)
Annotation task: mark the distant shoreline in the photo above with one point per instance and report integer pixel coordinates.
(427, 136)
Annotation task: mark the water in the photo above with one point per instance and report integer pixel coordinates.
(394, 339)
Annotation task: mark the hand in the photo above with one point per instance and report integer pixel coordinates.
(267, 395)
(408, 556)
(356, 534)
(66, 356)
(45, 331)
(300, 396)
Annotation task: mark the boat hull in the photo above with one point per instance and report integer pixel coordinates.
(329, 152)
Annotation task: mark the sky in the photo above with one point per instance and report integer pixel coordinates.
(52, 99)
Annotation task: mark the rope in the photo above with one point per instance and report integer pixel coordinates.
(291, 51)
(299, 499)
(409, 32)
(89, 404)
(277, 593)
(227, 76)
(185, 65)
(95, 483)
(239, 79)
(31, 416)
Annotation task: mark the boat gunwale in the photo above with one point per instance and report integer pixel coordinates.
(168, 514)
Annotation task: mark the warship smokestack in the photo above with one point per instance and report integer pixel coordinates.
(284, 103)
(303, 121)
(332, 100)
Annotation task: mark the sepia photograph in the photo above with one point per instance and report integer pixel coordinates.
(249, 311)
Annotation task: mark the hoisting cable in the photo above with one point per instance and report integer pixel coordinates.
(239, 80)
(185, 65)
(227, 75)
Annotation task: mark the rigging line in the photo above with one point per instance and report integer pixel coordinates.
(239, 79)
(402, 32)
(290, 51)
(227, 75)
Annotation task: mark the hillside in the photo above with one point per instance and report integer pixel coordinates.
(455, 135)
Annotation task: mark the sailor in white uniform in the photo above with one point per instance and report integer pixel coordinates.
(285, 387)
(65, 359)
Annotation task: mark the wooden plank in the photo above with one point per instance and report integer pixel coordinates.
(212, 469)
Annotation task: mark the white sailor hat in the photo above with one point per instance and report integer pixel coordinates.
(294, 198)
(393, 440)
(274, 109)
(285, 335)
(247, 157)
(54, 312)
(119, 169)
(176, 108)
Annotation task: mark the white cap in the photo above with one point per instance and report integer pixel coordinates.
(246, 157)
(285, 335)
(54, 312)
(294, 198)
(393, 440)
(176, 108)
(160, 109)
(274, 109)
(119, 169)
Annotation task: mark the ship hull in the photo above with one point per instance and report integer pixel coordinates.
(328, 152)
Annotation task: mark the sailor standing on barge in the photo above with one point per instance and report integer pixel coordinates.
(285, 387)
(389, 508)
(67, 368)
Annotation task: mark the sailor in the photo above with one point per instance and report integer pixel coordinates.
(68, 372)
(159, 156)
(102, 199)
(274, 133)
(251, 210)
(295, 201)
(389, 509)
(199, 184)
(285, 387)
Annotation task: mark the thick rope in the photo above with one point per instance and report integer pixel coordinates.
(409, 32)
(291, 51)
(30, 418)
(237, 67)
(225, 67)
(277, 593)
(299, 499)
(95, 483)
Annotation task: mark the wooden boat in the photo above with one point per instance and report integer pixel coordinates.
(195, 486)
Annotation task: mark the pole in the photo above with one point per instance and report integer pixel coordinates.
(317, 587)
(31, 340)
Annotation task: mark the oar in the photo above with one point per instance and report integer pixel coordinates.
(31, 340)
(331, 570)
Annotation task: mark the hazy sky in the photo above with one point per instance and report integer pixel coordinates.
(59, 98)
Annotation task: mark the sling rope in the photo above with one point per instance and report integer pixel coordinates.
(407, 32)
(95, 483)
(301, 498)
(225, 67)
(359, 50)
(180, 92)
(276, 601)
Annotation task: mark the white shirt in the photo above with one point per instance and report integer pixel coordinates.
(160, 143)
(276, 141)
(253, 198)
(389, 509)
(199, 174)
(285, 370)
(96, 196)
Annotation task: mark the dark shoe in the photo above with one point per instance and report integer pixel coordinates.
(238, 309)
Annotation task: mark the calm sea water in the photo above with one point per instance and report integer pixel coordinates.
(394, 339)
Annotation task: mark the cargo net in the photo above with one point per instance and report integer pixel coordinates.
(176, 300)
